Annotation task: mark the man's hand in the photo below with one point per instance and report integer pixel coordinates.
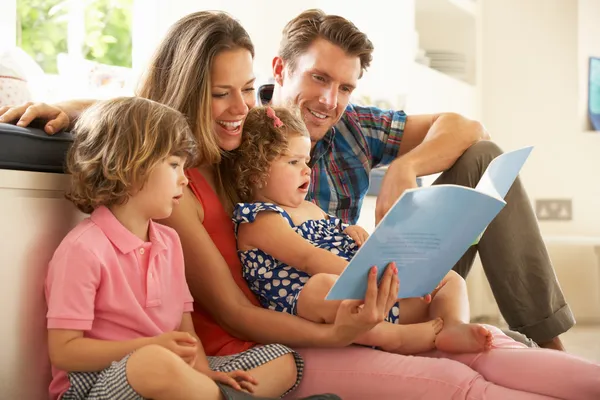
(399, 177)
(357, 233)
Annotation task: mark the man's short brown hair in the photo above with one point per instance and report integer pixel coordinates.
(300, 33)
(117, 143)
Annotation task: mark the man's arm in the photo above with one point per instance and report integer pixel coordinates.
(430, 144)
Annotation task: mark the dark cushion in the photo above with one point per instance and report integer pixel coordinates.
(31, 149)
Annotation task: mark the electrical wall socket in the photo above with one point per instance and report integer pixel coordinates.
(554, 209)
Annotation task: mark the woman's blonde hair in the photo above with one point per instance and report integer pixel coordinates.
(179, 73)
(117, 143)
(263, 142)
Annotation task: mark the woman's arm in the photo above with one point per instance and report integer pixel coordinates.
(213, 286)
(56, 117)
(272, 234)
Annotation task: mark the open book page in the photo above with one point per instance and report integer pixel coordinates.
(502, 172)
(425, 233)
(428, 230)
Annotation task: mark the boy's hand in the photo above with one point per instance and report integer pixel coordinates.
(181, 343)
(239, 380)
(357, 233)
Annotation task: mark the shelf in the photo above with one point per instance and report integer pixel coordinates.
(449, 26)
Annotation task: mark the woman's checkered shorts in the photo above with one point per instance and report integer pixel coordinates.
(111, 383)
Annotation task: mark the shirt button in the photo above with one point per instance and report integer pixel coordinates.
(141, 251)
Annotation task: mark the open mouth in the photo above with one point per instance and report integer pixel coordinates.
(231, 127)
(316, 114)
(304, 186)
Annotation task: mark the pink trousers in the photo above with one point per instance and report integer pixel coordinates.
(510, 371)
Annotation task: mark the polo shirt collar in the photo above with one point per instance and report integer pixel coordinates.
(121, 237)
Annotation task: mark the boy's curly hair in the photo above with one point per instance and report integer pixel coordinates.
(262, 142)
(117, 143)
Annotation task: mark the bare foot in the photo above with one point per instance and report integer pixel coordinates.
(464, 338)
(415, 338)
(554, 344)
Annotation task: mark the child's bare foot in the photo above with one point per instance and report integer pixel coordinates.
(464, 338)
(415, 338)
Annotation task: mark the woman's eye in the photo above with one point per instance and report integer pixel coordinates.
(219, 95)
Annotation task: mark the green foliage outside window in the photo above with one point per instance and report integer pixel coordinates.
(42, 27)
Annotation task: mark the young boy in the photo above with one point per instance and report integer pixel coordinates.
(119, 324)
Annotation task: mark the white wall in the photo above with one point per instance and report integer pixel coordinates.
(8, 23)
(531, 96)
(588, 45)
(390, 31)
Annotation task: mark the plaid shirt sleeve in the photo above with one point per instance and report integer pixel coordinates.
(382, 129)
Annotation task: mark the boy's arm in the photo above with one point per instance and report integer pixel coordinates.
(272, 234)
(187, 325)
(70, 351)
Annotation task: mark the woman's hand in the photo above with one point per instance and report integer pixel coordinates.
(355, 317)
(54, 118)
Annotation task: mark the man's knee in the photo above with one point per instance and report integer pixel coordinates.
(482, 152)
(470, 166)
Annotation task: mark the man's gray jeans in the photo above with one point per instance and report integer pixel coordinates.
(514, 257)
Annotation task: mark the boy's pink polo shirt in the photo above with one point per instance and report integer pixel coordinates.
(107, 282)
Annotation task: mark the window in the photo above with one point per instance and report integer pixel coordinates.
(96, 30)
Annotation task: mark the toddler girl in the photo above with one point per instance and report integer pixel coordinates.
(292, 252)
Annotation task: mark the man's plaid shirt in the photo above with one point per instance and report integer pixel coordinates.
(363, 139)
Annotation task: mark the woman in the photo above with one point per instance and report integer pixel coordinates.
(204, 69)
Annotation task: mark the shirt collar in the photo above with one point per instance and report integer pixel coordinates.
(121, 237)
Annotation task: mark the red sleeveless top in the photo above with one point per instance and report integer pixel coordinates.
(218, 224)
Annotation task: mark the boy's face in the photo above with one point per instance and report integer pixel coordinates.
(321, 83)
(289, 175)
(163, 189)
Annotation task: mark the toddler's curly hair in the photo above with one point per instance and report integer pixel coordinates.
(262, 142)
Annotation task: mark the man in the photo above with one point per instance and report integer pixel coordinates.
(321, 59)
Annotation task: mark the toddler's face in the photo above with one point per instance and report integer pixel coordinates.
(289, 176)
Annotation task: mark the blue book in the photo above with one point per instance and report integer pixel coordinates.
(429, 229)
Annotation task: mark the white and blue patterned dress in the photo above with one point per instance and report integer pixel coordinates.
(276, 284)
